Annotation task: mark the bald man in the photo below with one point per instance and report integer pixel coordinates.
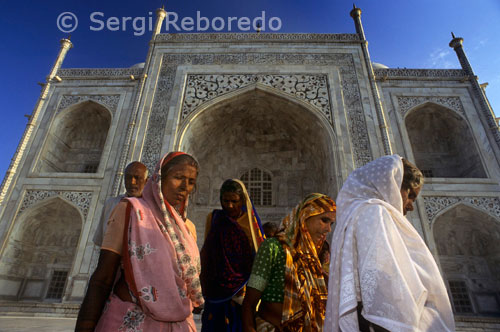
(136, 174)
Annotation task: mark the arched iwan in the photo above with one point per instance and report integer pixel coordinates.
(442, 143)
(257, 127)
(39, 256)
(467, 243)
(76, 139)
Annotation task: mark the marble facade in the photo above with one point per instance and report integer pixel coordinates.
(296, 111)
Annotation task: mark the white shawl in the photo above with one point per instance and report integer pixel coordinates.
(379, 259)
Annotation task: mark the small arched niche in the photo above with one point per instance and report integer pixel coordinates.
(76, 139)
(442, 143)
(40, 252)
(467, 243)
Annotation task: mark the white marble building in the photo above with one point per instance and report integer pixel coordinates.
(287, 113)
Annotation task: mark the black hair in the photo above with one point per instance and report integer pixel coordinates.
(412, 176)
(179, 160)
(231, 186)
(270, 228)
(325, 249)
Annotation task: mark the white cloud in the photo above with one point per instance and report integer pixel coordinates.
(480, 44)
(440, 58)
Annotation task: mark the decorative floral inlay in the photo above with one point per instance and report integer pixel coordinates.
(313, 89)
(435, 204)
(407, 103)
(81, 199)
(110, 101)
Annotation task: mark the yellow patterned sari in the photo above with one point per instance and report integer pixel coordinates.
(305, 289)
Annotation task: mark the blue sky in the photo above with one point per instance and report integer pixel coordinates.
(411, 34)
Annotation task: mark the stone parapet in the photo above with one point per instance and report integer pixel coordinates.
(39, 309)
(404, 73)
(102, 73)
(257, 37)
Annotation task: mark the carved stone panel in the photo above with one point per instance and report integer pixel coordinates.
(266, 37)
(116, 73)
(410, 73)
(312, 89)
(80, 199)
(110, 101)
(349, 84)
(435, 204)
(407, 103)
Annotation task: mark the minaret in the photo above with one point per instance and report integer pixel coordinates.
(160, 16)
(457, 44)
(33, 119)
(125, 154)
(356, 16)
(488, 117)
(66, 45)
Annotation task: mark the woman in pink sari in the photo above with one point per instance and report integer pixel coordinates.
(149, 266)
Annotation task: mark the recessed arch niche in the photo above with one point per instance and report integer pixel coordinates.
(467, 243)
(42, 244)
(76, 139)
(258, 128)
(442, 143)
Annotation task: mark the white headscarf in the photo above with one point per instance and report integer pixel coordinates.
(379, 259)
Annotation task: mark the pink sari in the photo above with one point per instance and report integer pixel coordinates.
(161, 264)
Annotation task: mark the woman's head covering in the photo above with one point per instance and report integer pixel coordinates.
(379, 259)
(173, 226)
(294, 223)
(228, 253)
(182, 209)
(305, 289)
(379, 181)
(253, 219)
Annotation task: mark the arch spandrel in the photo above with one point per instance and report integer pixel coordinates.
(109, 102)
(80, 199)
(407, 104)
(435, 206)
(310, 90)
(64, 108)
(55, 199)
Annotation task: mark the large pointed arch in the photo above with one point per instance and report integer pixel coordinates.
(467, 243)
(259, 127)
(442, 142)
(40, 253)
(76, 139)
